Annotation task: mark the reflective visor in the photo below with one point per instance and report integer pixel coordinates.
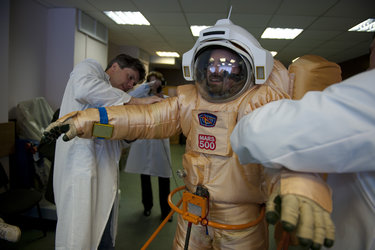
(221, 74)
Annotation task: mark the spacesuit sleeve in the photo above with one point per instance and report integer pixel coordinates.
(329, 131)
(154, 121)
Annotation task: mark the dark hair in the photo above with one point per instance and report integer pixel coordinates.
(157, 74)
(126, 61)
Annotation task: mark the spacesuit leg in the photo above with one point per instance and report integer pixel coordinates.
(198, 238)
(254, 238)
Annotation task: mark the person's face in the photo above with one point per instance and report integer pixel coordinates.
(156, 85)
(221, 64)
(123, 79)
(372, 55)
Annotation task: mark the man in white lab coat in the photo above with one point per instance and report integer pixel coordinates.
(152, 157)
(332, 132)
(86, 171)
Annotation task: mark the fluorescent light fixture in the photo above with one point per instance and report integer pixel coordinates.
(167, 54)
(127, 17)
(274, 53)
(365, 26)
(195, 29)
(162, 60)
(281, 33)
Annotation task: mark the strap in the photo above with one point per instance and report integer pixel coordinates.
(103, 115)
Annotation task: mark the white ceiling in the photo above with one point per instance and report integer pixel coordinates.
(325, 23)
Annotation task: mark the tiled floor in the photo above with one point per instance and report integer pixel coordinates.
(133, 228)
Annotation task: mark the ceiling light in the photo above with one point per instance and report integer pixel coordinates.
(281, 33)
(274, 53)
(365, 26)
(167, 54)
(195, 29)
(127, 17)
(162, 60)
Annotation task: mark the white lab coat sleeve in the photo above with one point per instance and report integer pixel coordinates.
(93, 86)
(329, 131)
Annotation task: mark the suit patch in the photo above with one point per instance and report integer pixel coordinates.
(207, 119)
(207, 142)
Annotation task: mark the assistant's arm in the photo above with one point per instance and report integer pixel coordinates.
(329, 131)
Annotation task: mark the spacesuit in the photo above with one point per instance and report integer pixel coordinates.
(234, 75)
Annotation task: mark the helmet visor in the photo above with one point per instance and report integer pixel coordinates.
(221, 73)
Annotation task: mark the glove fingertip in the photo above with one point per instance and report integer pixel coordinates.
(316, 246)
(328, 242)
(272, 217)
(304, 242)
(65, 128)
(65, 138)
(288, 226)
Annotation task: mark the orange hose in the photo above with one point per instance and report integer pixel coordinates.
(216, 224)
(205, 221)
(284, 242)
(148, 242)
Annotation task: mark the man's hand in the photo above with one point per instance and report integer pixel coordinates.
(55, 129)
(146, 100)
(312, 223)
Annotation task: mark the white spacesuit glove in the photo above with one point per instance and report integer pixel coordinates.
(307, 218)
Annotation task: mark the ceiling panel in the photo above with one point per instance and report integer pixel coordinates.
(349, 8)
(335, 23)
(162, 18)
(264, 7)
(300, 22)
(205, 6)
(124, 5)
(325, 23)
(305, 7)
(251, 20)
(158, 6)
(204, 19)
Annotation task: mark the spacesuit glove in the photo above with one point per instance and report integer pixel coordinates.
(61, 126)
(309, 220)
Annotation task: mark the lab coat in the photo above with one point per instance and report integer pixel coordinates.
(149, 157)
(331, 132)
(86, 170)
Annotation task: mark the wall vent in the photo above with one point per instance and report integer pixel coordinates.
(92, 27)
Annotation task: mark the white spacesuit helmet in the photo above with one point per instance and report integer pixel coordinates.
(243, 61)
